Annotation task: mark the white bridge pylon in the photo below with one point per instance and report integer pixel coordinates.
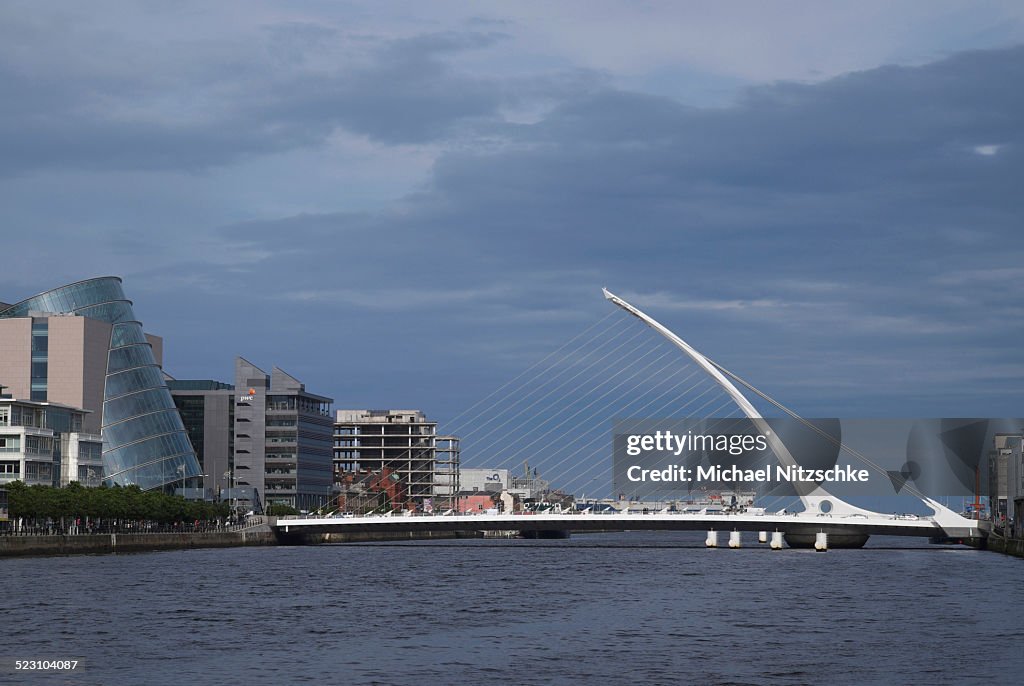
(814, 498)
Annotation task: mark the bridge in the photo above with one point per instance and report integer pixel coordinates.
(824, 521)
(798, 529)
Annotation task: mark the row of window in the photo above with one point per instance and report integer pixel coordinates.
(16, 415)
(162, 472)
(128, 333)
(130, 357)
(149, 449)
(89, 451)
(136, 404)
(34, 445)
(71, 298)
(380, 442)
(291, 402)
(166, 421)
(385, 430)
(133, 380)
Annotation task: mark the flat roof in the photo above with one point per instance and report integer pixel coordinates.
(44, 403)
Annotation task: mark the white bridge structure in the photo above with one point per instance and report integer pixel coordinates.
(825, 520)
(798, 529)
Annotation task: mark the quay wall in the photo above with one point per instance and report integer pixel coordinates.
(1008, 546)
(102, 544)
(99, 544)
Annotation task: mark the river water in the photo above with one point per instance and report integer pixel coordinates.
(624, 608)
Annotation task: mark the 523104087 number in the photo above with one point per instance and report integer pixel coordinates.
(45, 664)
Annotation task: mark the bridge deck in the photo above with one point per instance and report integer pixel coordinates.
(796, 523)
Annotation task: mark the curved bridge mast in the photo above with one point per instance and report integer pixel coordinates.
(814, 498)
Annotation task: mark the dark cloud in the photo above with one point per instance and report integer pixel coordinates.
(849, 245)
(846, 229)
(281, 98)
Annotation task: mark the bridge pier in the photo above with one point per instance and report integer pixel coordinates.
(776, 543)
(836, 537)
(762, 536)
(734, 539)
(712, 540)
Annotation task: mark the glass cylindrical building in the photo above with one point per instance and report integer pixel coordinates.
(144, 440)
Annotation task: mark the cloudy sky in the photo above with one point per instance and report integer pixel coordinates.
(406, 204)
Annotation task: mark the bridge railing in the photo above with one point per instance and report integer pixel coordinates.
(848, 519)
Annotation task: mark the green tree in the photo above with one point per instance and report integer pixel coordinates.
(281, 510)
(119, 504)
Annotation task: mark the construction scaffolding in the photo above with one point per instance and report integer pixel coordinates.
(447, 475)
(403, 444)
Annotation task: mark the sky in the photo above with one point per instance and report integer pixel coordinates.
(407, 204)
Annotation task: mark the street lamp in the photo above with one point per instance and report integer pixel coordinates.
(231, 481)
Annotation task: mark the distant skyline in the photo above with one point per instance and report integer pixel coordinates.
(406, 204)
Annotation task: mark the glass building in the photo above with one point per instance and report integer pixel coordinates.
(144, 440)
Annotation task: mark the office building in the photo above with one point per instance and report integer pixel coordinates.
(81, 346)
(526, 487)
(404, 443)
(1006, 482)
(44, 443)
(264, 439)
(483, 480)
(207, 410)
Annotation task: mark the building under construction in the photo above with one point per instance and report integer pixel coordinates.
(364, 491)
(401, 447)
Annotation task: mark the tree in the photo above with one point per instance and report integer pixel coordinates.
(281, 510)
(36, 503)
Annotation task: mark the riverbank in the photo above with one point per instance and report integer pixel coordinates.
(104, 544)
(100, 544)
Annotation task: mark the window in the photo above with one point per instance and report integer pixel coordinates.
(38, 445)
(89, 476)
(91, 452)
